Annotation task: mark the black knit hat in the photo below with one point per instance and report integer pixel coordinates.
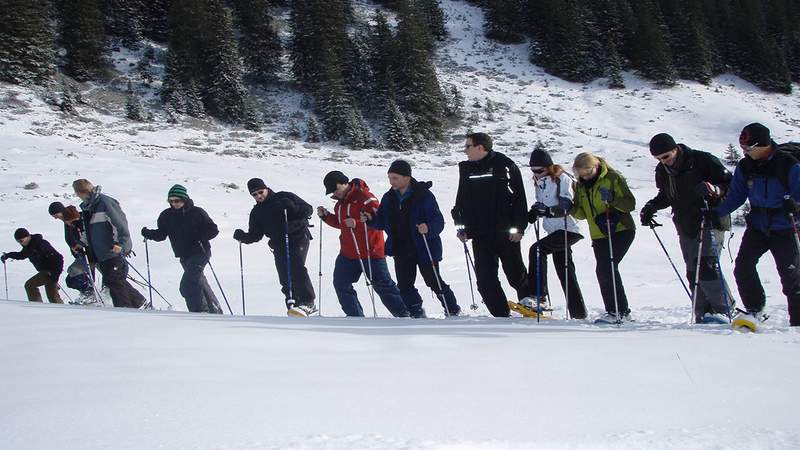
(661, 143)
(55, 208)
(21, 233)
(755, 134)
(333, 178)
(540, 158)
(400, 167)
(255, 184)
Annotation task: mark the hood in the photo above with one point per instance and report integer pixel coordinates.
(93, 196)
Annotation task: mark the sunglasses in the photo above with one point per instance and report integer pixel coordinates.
(258, 192)
(174, 201)
(540, 171)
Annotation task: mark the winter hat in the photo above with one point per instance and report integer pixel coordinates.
(21, 233)
(333, 178)
(255, 184)
(178, 191)
(400, 167)
(755, 134)
(661, 143)
(540, 158)
(55, 208)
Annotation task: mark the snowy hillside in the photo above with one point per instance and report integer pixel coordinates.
(90, 378)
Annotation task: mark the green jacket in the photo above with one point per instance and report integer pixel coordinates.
(588, 204)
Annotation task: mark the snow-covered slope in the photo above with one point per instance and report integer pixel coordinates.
(77, 378)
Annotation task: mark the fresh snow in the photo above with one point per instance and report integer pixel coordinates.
(81, 377)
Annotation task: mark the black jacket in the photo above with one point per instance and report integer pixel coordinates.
(491, 196)
(186, 228)
(676, 188)
(266, 218)
(42, 255)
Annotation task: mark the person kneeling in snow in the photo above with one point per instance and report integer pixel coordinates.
(47, 261)
(189, 230)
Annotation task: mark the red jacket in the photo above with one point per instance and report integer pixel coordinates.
(358, 199)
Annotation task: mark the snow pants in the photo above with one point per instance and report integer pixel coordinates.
(621, 241)
(489, 251)
(347, 271)
(711, 297)
(194, 285)
(115, 276)
(553, 244)
(50, 288)
(784, 250)
(302, 288)
(405, 268)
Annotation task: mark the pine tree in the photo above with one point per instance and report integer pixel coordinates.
(652, 58)
(731, 156)
(83, 39)
(156, 20)
(293, 131)
(133, 106)
(397, 134)
(356, 133)
(432, 17)
(224, 94)
(418, 92)
(380, 54)
(502, 21)
(319, 36)
(312, 130)
(26, 42)
(758, 58)
(259, 44)
(145, 65)
(123, 20)
(454, 105)
(688, 39)
(334, 104)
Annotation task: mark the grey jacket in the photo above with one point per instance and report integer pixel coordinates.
(105, 225)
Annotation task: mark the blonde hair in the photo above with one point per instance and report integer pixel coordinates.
(586, 160)
(82, 186)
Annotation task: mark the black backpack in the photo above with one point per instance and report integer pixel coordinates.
(793, 150)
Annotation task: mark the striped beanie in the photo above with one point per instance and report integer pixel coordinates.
(178, 191)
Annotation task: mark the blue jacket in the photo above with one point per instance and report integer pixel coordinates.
(423, 209)
(757, 182)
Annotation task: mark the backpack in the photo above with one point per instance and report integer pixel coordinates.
(789, 152)
(793, 150)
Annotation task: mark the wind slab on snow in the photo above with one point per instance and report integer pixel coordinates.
(77, 377)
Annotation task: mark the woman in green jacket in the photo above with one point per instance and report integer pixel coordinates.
(603, 198)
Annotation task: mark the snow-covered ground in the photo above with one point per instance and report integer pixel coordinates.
(74, 377)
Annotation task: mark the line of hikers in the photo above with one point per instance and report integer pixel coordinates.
(491, 211)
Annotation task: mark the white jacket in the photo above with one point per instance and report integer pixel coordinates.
(548, 192)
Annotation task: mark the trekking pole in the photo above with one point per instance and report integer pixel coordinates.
(90, 274)
(369, 258)
(468, 257)
(69, 299)
(5, 278)
(611, 258)
(213, 272)
(241, 276)
(319, 285)
(697, 271)
(143, 278)
(436, 273)
(147, 261)
(653, 224)
(366, 277)
(794, 227)
(566, 267)
(289, 301)
(538, 272)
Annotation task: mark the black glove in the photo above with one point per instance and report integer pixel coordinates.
(602, 221)
(647, 213)
(789, 205)
(703, 190)
(4, 258)
(147, 234)
(539, 210)
(239, 235)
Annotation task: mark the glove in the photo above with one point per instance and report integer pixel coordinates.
(606, 195)
(4, 258)
(705, 190)
(239, 235)
(789, 205)
(147, 234)
(647, 213)
(287, 205)
(539, 210)
(602, 224)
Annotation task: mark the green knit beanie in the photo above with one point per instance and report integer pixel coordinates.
(178, 191)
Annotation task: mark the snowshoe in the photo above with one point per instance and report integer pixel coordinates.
(747, 321)
(613, 319)
(301, 311)
(714, 319)
(526, 311)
